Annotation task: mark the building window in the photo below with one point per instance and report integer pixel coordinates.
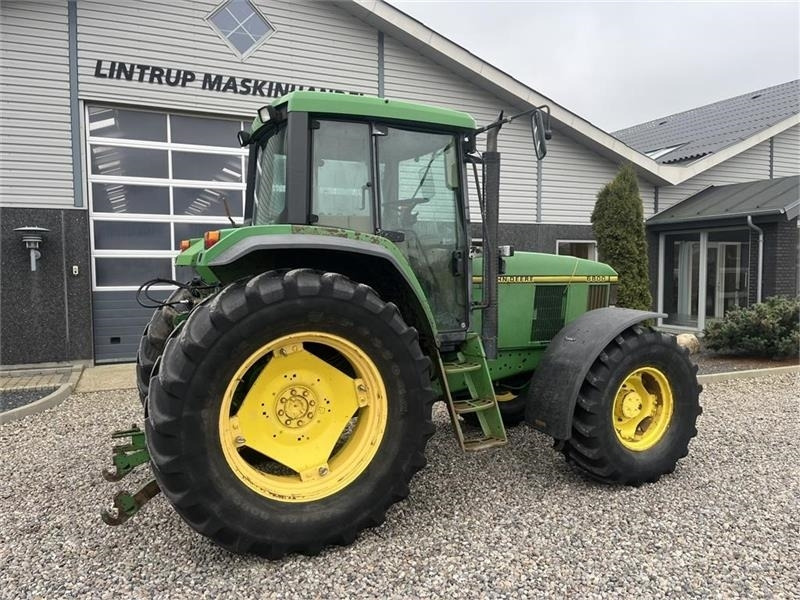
(580, 248)
(241, 25)
(156, 178)
(703, 275)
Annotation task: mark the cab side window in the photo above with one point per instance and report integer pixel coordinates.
(341, 192)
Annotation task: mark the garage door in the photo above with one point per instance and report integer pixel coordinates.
(154, 178)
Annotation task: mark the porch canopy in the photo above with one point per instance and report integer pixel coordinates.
(767, 199)
(707, 259)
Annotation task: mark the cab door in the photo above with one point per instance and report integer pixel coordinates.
(420, 198)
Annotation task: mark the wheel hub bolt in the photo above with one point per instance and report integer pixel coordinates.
(240, 439)
(295, 406)
(323, 471)
(631, 405)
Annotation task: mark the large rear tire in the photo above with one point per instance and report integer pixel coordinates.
(289, 413)
(636, 410)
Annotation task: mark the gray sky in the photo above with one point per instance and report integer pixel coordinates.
(619, 64)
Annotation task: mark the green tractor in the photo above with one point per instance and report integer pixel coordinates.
(288, 388)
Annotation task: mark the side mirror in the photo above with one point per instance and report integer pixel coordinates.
(244, 138)
(539, 133)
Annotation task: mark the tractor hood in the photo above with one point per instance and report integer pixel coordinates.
(535, 267)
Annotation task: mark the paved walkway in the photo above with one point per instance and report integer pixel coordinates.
(93, 379)
(108, 377)
(30, 379)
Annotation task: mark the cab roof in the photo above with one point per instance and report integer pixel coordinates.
(372, 106)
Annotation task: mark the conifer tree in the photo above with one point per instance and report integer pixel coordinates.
(618, 224)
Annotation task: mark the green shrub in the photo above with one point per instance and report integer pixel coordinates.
(618, 225)
(770, 329)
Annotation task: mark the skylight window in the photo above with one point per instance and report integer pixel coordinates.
(656, 154)
(241, 25)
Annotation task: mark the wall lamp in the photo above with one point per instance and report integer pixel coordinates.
(32, 237)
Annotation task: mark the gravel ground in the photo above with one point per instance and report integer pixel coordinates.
(513, 522)
(15, 398)
(710, 362)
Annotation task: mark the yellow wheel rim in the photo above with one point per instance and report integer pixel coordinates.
(642, 409)
(505, 396)
(303, 417)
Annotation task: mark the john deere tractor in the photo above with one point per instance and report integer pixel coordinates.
(288, 387)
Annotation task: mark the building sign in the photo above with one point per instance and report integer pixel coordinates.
(183, 78)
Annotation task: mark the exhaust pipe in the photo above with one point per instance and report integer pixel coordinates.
(491, 263)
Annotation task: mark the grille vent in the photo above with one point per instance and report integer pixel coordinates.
(598, 296)
(549, 303)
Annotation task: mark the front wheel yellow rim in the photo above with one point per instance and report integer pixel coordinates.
(303, 417)
(642, 409)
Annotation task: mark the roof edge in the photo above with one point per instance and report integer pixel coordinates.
(403, 25)
(712, 160)
(696, 219)
(382, 15)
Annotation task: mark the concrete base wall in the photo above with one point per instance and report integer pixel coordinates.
(46, 315)
(537, 238)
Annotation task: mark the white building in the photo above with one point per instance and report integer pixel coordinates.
(118, 135)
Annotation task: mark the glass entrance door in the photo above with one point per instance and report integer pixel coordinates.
(727, 279)
(681, 283)
(703, 275)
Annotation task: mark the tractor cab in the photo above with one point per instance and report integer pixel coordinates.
(373, 175)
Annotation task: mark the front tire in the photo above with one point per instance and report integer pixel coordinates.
(636, 410)
(255, 389)
(155, 335)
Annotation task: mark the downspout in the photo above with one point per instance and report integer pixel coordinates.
(760, 231)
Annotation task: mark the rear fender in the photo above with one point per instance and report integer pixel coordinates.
(362, 257)
(560, 373)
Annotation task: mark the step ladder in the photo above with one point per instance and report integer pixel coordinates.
(469, 364)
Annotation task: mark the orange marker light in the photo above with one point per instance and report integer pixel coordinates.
(210, 238)
(185, 244)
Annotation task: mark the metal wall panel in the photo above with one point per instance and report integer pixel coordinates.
(315, 43)
(786, 160)
(118, 321)
(572, 174)
(572, 177)
(35, 158)
(411, 76)
(750, 165)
